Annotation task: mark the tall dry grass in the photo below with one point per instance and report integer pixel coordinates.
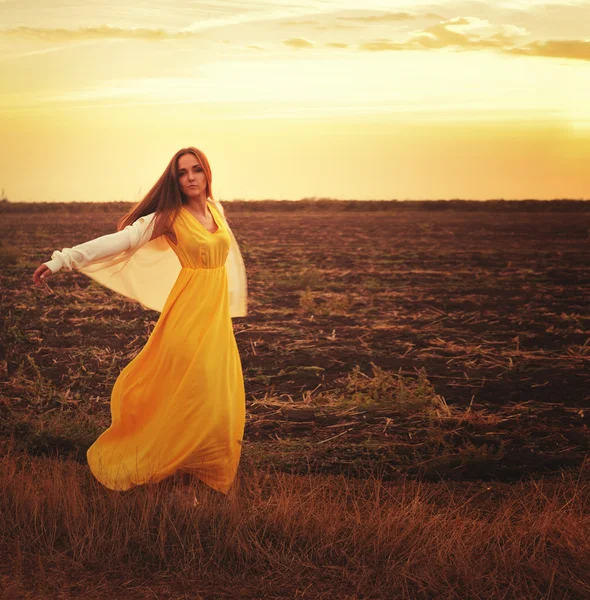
(300, 536)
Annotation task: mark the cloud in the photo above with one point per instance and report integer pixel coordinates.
(390, 16)
(102, 32)
(333, 26)
(288, 23)
(464, 24)
(442, 35)
(463, 33)
(514, 30)
(469, 33)
(574, 49)
(299, 43)
(379, 45)
(7, 57)
(264, 11)
(452, 33)
(320, 26)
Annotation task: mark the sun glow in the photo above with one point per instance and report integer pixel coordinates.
(415, 92)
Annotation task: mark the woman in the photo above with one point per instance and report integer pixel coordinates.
(179, 405)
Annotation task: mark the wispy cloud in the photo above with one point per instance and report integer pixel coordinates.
(276, 11)
(103, 32)
(576, 49)
(298, 23)
(157, 88)
(36, 52)
(358, 21)
(466, 33)
(390, 16)
(457, 32)
(299, 43)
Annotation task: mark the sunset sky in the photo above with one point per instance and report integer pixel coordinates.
(293, 99)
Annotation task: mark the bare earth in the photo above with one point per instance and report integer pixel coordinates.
(492, 304)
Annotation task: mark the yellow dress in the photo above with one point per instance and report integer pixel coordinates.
(179, 405)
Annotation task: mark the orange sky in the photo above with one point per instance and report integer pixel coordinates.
(406, 100)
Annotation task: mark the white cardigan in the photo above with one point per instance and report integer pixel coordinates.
(132, 265)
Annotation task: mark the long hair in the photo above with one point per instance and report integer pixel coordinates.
(165, 198)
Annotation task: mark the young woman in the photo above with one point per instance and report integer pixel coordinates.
(179, 405)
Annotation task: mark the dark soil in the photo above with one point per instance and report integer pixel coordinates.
(491, 304)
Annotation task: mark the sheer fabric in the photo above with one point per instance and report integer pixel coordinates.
(129, 263)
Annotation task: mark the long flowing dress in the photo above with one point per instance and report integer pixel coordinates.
(179, 405)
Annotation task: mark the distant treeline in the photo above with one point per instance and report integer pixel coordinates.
(321, 204)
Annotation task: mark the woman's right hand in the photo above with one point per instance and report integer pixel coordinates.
(40, 274)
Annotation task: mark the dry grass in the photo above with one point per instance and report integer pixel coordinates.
(283, 534)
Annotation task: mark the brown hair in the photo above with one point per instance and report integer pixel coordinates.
(165, 198)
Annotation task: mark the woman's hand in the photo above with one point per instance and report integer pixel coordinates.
(40, 274)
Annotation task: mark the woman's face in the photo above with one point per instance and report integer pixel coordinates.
(191, 177)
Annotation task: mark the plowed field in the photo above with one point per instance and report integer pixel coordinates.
(480, 314)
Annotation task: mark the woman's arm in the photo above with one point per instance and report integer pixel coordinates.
(136, 234)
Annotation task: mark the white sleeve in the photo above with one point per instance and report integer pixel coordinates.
(132, 236)
(236, 273)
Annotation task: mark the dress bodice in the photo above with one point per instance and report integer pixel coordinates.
(198, 248)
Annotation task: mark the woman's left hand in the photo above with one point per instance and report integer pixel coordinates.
(40, 274)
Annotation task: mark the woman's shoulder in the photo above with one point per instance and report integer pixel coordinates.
(143, 222)
(217, 204)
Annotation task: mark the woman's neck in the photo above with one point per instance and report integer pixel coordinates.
(197, 206)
